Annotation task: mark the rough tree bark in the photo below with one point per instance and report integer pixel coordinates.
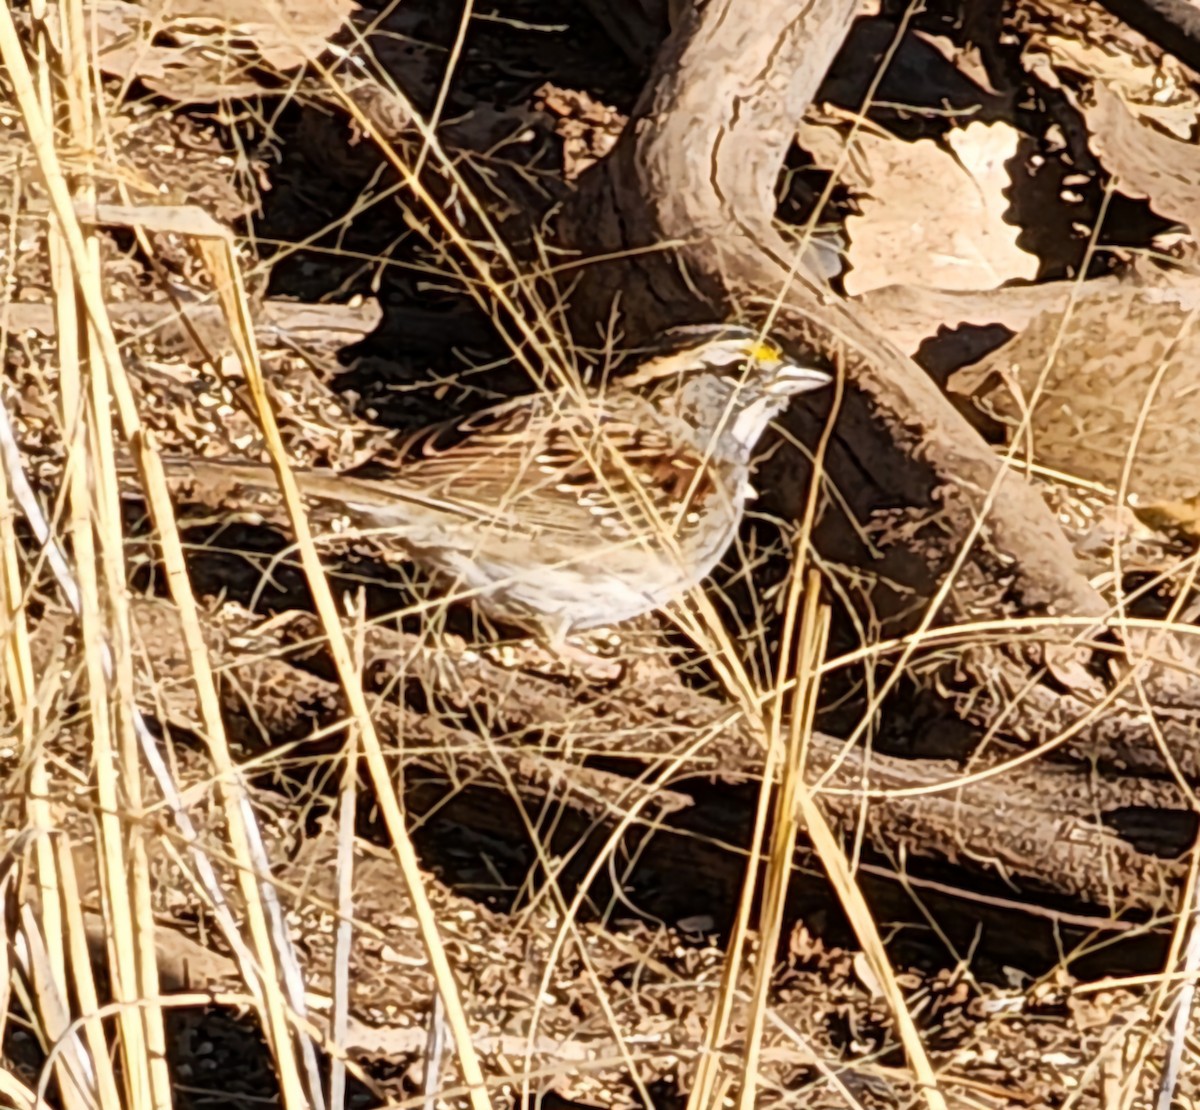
(1047, 827)
(685, 202)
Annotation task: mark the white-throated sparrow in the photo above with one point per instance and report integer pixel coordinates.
(575, 511)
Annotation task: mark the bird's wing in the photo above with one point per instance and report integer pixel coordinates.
(535, 465)
(528, 467)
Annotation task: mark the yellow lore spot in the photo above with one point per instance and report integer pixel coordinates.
(765, 351)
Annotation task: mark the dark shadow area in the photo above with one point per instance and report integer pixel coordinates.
(341, 199)
(683, 877)
(217, 1058)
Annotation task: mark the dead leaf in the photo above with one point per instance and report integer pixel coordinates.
(1146, 161)
(909, 314)
(204, 50)
(1122, 357)
(589, 129)
(967, 59)
(1156, 89)
(949, 237)
(287, 33)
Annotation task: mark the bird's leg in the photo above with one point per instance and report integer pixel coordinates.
(578, 653)
(552, 649)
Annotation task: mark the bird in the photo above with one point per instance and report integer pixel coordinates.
(573, 509)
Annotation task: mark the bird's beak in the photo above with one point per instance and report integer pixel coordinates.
(793, 377)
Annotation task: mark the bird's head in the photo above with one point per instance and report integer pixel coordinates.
(723, 379)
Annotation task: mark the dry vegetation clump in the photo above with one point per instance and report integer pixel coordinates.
(898, 810)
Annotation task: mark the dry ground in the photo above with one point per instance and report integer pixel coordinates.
(583, 839)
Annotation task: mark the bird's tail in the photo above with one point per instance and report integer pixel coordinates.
(367, 502)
